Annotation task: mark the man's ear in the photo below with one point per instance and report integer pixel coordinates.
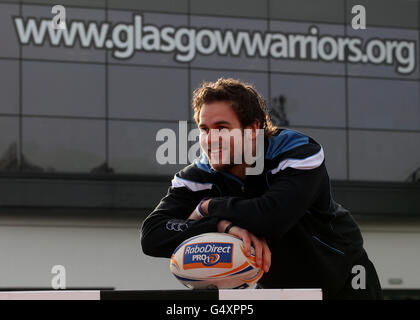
(254, 126)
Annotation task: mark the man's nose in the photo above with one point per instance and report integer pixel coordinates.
(213, 138)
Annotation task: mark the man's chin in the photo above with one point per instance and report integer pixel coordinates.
(220, 166)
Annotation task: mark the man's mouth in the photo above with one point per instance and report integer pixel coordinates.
(217, 152)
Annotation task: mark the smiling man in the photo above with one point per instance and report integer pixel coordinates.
(302, 237)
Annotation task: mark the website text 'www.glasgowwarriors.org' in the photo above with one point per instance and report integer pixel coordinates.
(186, 42)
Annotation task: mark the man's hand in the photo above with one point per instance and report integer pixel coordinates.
(204, 209)
(262, 251)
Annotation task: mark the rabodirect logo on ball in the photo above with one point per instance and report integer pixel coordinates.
(208, 255)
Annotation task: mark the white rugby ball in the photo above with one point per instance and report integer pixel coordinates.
(214, 260)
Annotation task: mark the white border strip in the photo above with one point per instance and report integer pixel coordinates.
(271, 294)
(50, 295)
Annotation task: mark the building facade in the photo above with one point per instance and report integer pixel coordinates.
(81, 109)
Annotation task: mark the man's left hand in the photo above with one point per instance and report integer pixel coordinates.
(204, 208)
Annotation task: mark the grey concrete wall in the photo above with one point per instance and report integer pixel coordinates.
(95, 253)
(99, 252)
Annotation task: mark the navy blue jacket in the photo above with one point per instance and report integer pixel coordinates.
(314, 241)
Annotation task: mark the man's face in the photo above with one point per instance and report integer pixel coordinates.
(220, 135)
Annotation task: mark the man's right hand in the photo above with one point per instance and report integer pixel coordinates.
(262, 251)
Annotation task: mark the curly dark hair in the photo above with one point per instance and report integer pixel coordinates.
(246, 102)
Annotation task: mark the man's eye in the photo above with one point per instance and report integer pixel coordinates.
(204, 130)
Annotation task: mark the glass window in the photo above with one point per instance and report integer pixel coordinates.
(398, 13)
(66, 89)
(385, 104)
(180, 6)
(309, 100)
(133, 147)
(9, 42)
(308, 10)
(148, 93)
(383, 156)
(9, 143)
(234, 8)
(63, 145)
(9, 86)
(78, 3)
